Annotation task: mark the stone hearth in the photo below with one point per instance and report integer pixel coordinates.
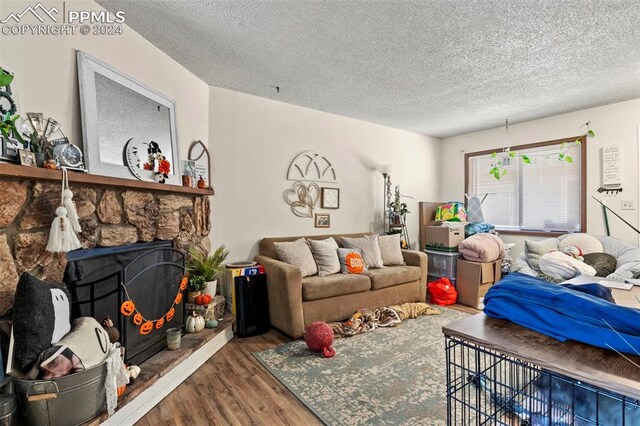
(109, 217)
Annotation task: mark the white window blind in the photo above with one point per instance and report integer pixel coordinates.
(542, 196)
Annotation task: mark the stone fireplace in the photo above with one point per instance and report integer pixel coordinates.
(113, 212)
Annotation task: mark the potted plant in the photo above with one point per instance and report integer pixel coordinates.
(207, 265)
(195, 286)
(37, 147)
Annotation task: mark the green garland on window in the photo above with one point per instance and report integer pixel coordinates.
(498, 168)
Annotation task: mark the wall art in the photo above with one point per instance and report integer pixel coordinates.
(302, 199)
(330, 198)
(323, 220)
(311, 166)
(199, 154)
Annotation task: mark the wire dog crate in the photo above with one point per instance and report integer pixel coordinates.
(489, 388)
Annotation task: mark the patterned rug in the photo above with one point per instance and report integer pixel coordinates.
(391, 376)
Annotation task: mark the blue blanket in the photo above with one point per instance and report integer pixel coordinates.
(564, 314)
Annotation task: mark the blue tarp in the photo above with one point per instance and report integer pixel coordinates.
(564, 314)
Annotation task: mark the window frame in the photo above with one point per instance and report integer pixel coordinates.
(583, 180)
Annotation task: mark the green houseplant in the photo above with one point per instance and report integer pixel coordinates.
(207, 265)
(195, 286)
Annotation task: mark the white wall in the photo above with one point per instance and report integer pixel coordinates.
(615, 124)
(46, 74)
(253, 140)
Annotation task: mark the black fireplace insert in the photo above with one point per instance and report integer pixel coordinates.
(150, 272)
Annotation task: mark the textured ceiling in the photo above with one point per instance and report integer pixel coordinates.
(436, 67)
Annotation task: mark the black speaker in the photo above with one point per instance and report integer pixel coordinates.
(252, 305)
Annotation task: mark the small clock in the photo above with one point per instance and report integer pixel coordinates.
(330, 198)
(68, 155)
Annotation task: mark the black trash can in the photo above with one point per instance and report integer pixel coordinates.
(252, 305)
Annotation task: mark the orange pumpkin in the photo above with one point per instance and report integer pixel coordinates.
(137, 318)
(170, 314)
(146, 328)
(178, 299)
(159, 323)
(203, 299)
(121, 390)
(127, 308)
(183, 283)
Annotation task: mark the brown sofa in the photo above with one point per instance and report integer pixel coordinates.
(296, 302)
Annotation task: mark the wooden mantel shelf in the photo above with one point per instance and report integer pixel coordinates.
(16, 171)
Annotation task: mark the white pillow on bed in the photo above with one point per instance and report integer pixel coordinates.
(585, 242)
(561, 266)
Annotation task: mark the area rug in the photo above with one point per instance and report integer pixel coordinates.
(391, 376)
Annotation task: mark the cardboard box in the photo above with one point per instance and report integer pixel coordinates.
(443, 237)
(474, 279)
(426, 213)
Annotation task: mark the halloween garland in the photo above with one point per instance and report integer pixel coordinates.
(128, 308)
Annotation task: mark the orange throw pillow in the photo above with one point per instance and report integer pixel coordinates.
(351, 261)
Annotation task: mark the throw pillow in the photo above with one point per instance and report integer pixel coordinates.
(297, 253)
(390, 250)
(351, 261)
(41, 313)
(603, 263)
(534, 250)
(369, 247)
(325, 253)
(86, 346)
(585, 242)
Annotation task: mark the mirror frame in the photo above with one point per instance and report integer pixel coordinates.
(88, 67)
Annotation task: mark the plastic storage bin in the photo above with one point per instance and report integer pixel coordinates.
(443, 264)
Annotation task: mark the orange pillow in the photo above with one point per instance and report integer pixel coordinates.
(351, 261)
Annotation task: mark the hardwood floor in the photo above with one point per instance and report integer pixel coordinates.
(232, 388)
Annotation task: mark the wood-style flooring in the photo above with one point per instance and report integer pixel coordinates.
(232, 388)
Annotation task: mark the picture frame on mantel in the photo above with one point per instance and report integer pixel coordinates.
(116, 109)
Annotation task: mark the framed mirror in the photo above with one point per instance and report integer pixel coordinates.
(125, 124)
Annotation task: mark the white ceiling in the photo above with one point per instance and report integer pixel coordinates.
(438, 67)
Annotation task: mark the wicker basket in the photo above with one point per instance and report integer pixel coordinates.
(213, 310)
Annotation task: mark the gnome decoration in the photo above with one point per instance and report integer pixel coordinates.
(62, 237)
(319, 337)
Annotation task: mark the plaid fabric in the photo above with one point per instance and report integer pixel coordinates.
(474, 210)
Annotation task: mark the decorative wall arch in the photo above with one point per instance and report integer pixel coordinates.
(311, 166)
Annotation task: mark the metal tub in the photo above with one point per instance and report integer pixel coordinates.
(68, 400)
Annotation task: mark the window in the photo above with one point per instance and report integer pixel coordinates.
(546, 196)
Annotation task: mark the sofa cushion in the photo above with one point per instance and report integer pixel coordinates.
(393, 275)
(390, 250)
(351, 261)
(325, 253)
(297, 253)
(314, 288)
(370, 249)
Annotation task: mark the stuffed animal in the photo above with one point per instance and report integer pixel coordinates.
(319, 337)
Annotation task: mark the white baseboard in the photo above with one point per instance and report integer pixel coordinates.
(143, 403)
